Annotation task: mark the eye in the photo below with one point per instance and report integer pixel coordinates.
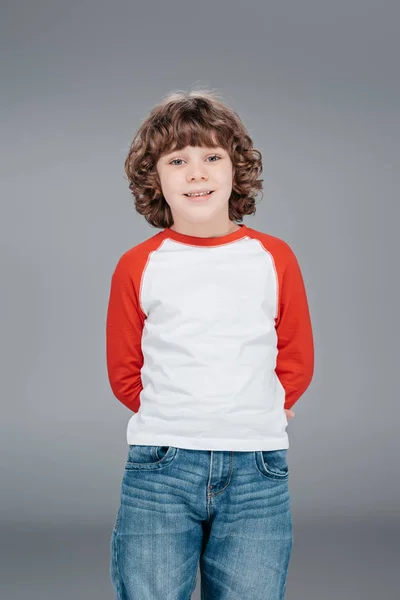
(213, 156)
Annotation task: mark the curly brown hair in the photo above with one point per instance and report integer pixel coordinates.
(194, 118)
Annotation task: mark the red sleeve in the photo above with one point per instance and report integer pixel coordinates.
(295, 360)
(124, 327)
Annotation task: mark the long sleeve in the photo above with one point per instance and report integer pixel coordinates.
(295, 359)
(124, 326)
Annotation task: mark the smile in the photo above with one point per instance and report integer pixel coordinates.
(199, 198)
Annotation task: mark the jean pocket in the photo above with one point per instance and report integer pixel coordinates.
(149, 457)
(273, 463)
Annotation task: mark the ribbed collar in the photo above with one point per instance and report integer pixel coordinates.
(206, 241)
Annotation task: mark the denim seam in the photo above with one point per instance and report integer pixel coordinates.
(213, 494)
(115, 553)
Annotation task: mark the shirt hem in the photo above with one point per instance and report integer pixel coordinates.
(210, 444)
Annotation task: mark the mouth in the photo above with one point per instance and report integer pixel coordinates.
(199, 198)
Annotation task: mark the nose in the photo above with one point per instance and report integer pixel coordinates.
(197, 171)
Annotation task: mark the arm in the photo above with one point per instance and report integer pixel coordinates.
(124, 326)
(295, 359)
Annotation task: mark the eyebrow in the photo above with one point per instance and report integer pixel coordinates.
(217, 149)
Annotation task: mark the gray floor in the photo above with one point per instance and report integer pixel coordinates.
(330, 560)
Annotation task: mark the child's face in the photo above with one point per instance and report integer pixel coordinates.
(196, 168)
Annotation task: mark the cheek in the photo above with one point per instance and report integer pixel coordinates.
(228, 180)
(172, 182)
(227, 175)
(171, 188)
(167, 183)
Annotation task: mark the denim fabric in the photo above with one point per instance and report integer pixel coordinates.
(227, 512)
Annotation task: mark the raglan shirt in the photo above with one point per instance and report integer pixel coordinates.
(208, 340)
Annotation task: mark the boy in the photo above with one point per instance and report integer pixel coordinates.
(210, 344)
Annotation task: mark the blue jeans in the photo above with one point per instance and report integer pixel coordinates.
(227, 511)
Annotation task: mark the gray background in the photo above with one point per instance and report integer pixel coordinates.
(317, 85)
